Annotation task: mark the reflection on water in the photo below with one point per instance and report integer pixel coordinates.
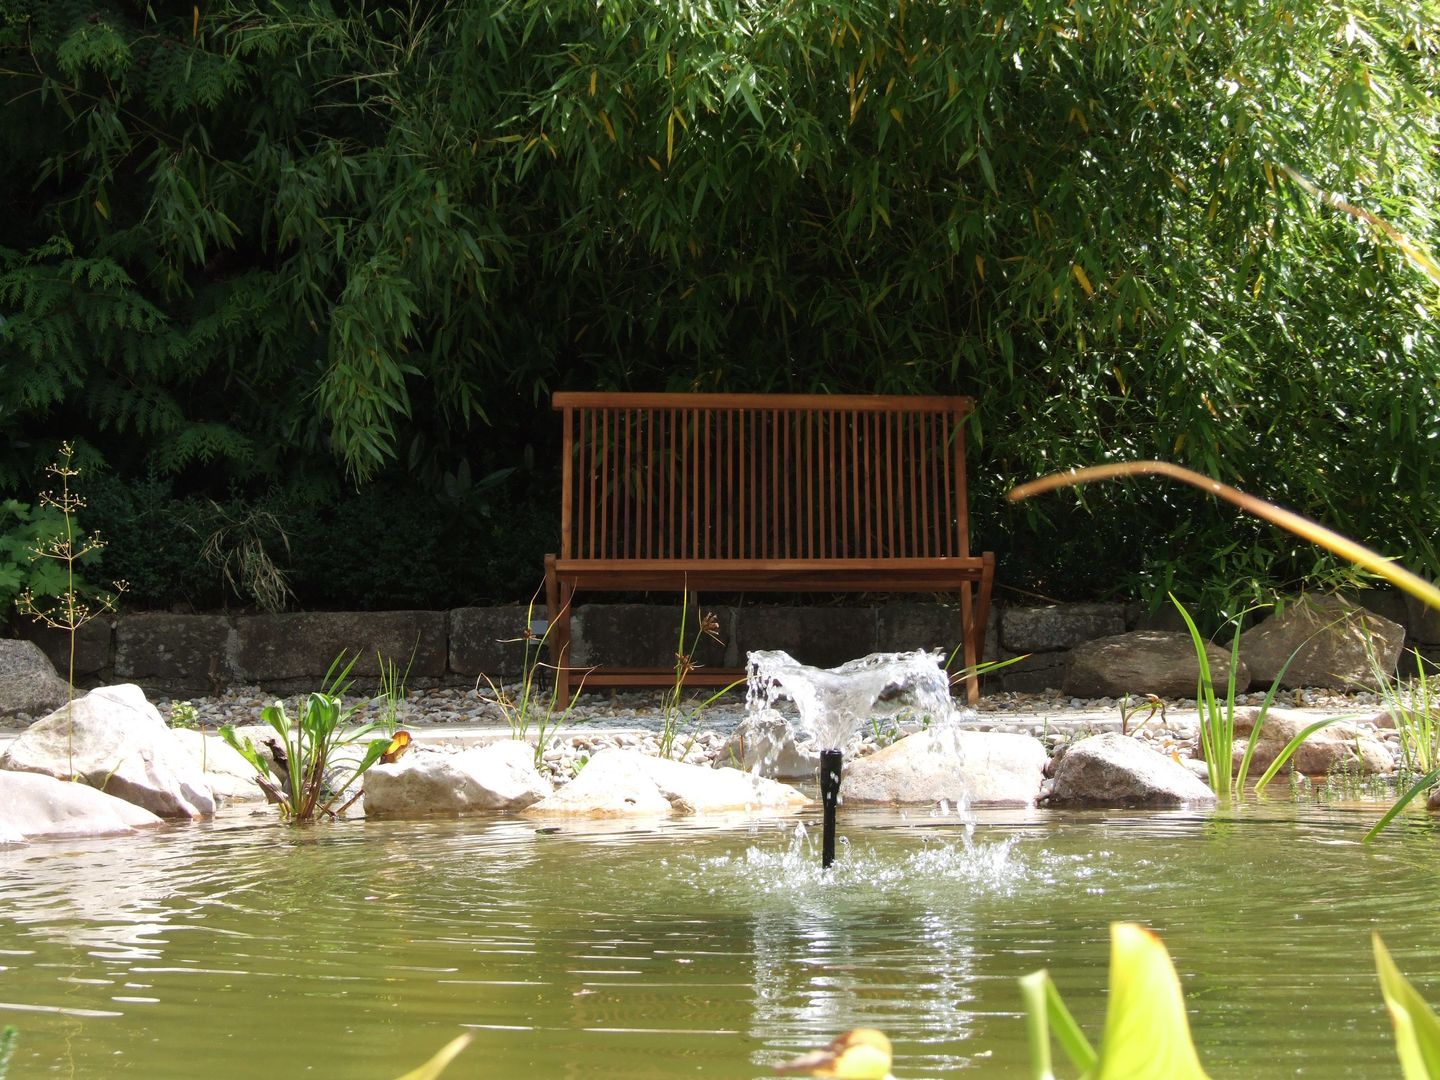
(355, 950)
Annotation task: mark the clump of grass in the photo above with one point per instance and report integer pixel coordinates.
(532, 706)
(676, 715)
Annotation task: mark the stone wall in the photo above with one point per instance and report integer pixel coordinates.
(204, 654)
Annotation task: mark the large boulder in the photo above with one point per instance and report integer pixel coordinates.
(1117, 770)
(114, 740)
(1160, 662)
(764, 743)
(34, 806)
(1332, 642)
(1341, 747)
(976, 768)
(28, 683)
(622, 783)
(500, 776)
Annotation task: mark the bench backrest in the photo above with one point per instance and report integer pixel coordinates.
(716, 477)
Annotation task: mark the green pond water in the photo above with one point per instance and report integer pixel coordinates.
(356, 950)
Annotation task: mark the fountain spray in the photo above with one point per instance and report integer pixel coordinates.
(830, 762)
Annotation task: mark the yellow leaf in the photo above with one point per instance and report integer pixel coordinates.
(436, 1065)
(194, 21)
(1146, 1030)
(654, 164)
(1269, 175)
(1078, 117)
(980, 266)
(898, 118)
(1120, 380)
(102, 209)
(609, 127)
(669, 138)
(594, 78)
(1079, 272)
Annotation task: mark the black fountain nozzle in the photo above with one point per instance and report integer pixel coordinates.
(830, 762)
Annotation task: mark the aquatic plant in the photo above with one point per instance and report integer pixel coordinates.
(75, 604)
(1413, 709)
(1148, 1034)
(533, 706)
(1217, 716)
(306, 772)
(1146, 1030)
(392, 688)
(675, 713)
(437, 1064)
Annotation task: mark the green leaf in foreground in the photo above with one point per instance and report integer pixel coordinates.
(436, 1065)
(1417, 1029)
(1147, 1033)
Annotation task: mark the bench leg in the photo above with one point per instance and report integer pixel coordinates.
(967, 638)
(557, 610)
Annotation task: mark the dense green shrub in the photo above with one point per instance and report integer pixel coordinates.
(281, 249)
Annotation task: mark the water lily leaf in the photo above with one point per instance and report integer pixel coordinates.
(1417, 1029)
(1147, 1033)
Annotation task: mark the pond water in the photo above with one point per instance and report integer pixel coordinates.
(356, 950)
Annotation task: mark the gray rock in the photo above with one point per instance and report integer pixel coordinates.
(33, 806)
(1117, 770)
(647, 635)
(114, 740)
(1058, 626)
(624, 783)
(1146, 662)
(28, 683)
(1340, 747)
(278, 650)
(488, 641)
(978, 768)
(499, 776)
(1330, 639)
(93, 647)
(196, 652)
(763, 743)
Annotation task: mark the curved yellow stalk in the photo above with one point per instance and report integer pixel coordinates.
(1301, 526)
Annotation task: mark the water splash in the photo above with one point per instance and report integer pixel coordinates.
(833, 703)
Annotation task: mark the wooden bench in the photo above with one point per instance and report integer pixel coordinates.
(774, 492)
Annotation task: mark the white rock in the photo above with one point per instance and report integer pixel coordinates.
(982, 768)
(1115, 769)
(230, 776)
(617, 783)
(36, 806)
(114, 740)
(498, 776)
(764, 743)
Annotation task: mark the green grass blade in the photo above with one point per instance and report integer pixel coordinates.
(1046, 1011)
(436, 1065)
(1423, 784)
(1217, 756)
(1417, 1029)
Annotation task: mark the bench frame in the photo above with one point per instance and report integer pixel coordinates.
(761, 492)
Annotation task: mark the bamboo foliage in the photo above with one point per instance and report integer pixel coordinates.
(270, 232)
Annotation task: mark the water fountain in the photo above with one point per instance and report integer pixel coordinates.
(832, 704)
